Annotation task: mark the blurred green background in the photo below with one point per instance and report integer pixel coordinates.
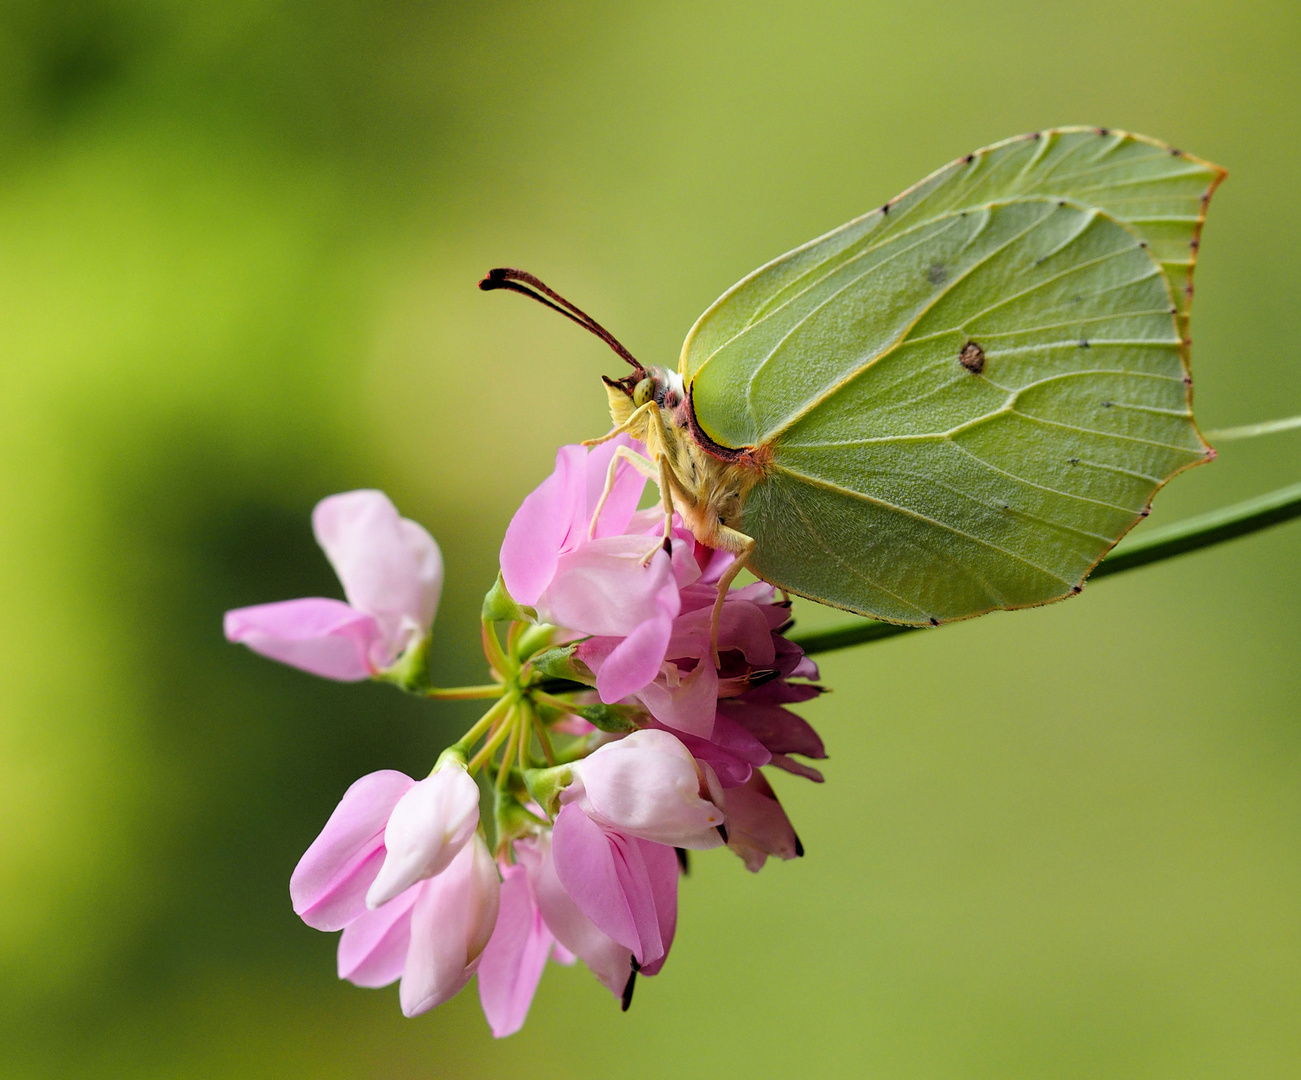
(238, 252)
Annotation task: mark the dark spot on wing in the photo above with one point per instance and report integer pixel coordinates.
(1084, 343)
(937, 274)
(1102, 131)
(1072, 461)
(969, 158)
(1108, 404)
(934, 621)
(1077, 589)
(885, 209)
(972, 357)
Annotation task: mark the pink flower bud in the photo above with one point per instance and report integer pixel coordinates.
(649, 786)
(328, 887)
(428, 827)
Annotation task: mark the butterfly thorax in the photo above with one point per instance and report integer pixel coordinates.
(710, 482)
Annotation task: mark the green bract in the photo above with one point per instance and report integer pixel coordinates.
(970, 394)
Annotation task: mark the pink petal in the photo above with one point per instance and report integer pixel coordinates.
(538, 532)
(690, 706)
(328, 886)
(741, 626)
(780, 692)
(797, 767)
(607, 587)
(778, 729)
(757, 826)
(662, 870)
(451, 924)
(373, 947)
(640, 891)
(607, 875)
(634, 662)
(585, 868)
(576, 934)
(647, 785)
(429, 825)
(516, 954)
(325, 637)
(390, 567)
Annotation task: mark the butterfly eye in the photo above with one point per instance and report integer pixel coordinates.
(643, 392)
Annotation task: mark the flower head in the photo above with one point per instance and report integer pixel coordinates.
(596, 802)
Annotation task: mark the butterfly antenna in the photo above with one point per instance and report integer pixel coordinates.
(524, 283)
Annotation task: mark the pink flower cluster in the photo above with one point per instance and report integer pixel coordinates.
(586, 864)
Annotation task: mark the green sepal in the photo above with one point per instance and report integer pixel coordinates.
(534, 639)
(410, 671)
(560, 663)
(511, 818)
(615, 718)
(453, 755)
(500, 606)
(545, 785)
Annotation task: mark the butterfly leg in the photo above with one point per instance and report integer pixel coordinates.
(643, 465)
(638, 414)
(742, 545)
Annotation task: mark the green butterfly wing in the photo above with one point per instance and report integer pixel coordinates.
(912, 486)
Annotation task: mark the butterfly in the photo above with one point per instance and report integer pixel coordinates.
(956, 403)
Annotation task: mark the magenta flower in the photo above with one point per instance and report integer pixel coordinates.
(613, 580)
(392, 574)
(432, 936)
(757, 826)
(647, 785)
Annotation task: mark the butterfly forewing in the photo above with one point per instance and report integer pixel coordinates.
(970, 397)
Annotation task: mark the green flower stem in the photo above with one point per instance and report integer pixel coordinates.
(1203, 530)
(498, 710)
(502, 730)
(544, 737)
(560, 704)
(492, 649)
(528, 720)
(503, 771)
(465, 693)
